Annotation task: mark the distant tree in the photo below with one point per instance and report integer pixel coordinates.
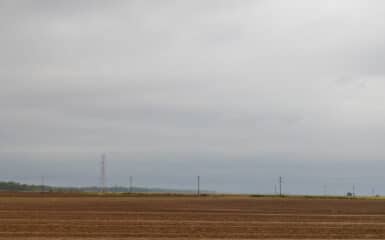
(349, 194)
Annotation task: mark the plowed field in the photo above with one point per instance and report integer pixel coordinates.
(53, 216)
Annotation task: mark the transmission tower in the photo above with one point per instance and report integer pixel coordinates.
(280, 185)
(103, 173)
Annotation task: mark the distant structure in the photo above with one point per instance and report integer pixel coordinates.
(325, 187)
(131, 181)
(353, 192)
(280, 185)
(42, 184)
(198, 186)
(103, 173)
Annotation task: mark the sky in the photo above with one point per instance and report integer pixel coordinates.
(239, 92)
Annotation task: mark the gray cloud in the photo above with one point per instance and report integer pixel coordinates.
(218, 78)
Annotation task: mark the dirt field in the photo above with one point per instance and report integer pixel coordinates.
(79, 217)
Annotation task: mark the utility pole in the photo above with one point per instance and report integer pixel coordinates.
(103, 173)
(198, 186)
(131, 180)
(280, 185)
(42, 184)
(354, 190)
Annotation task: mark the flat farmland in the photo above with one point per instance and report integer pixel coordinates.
(71, 216)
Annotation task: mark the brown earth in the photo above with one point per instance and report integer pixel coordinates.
(63, 216)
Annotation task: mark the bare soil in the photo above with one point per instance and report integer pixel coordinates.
(76, 216)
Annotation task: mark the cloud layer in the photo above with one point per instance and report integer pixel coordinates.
(222, 78)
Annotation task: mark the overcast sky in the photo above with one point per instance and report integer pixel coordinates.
(242, 83)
